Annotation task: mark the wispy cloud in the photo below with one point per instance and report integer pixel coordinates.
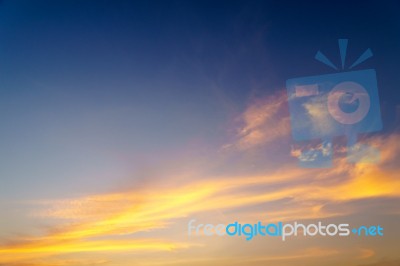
(263, 121)
(155, 208)
(124, 221)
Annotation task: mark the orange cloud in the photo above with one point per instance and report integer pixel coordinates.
(263, 121)
(124, 221)
(157, 207)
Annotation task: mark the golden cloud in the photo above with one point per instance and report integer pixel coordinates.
(123, 221)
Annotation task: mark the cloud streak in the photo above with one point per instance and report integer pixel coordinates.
(124, 221)
(263, 121)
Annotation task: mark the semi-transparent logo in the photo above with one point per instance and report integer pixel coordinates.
(345, 103)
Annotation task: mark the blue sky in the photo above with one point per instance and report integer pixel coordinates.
(82, 78)
(102, 96)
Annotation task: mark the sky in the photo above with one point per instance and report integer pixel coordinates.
(124, 120)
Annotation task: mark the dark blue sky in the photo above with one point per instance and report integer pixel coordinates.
(232, 43)
(81, 81)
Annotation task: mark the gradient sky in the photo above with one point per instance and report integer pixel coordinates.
(121, 121)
